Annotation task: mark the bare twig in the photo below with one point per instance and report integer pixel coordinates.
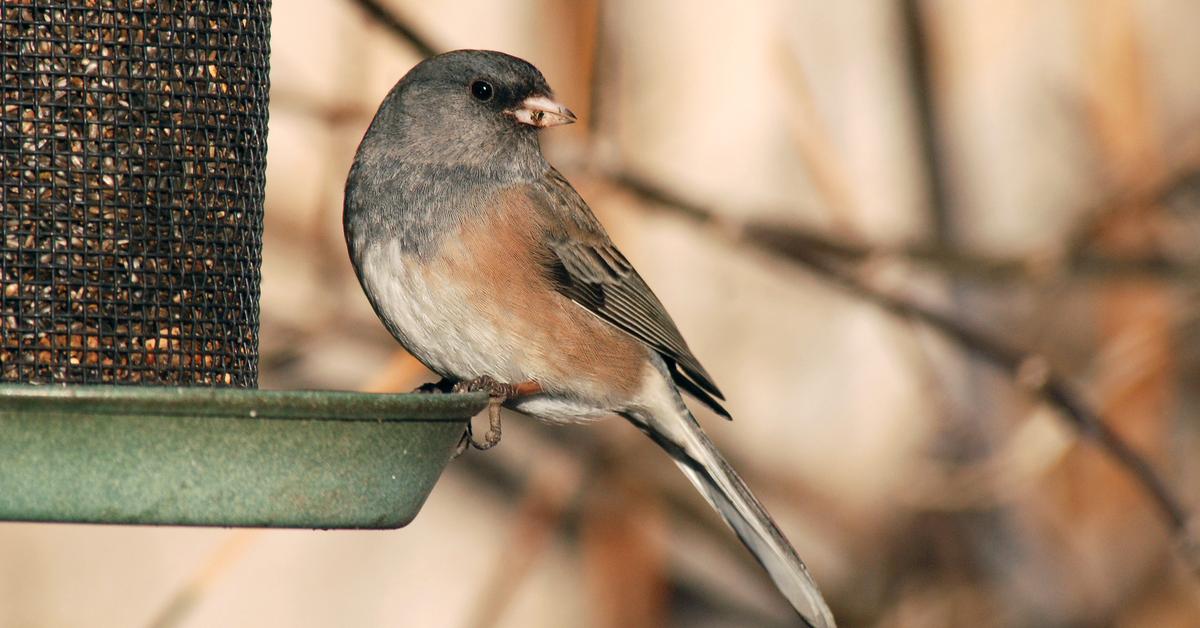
(1148, 190)
(398, 27)
(598, 73)
(916, 38)
(1026, 370)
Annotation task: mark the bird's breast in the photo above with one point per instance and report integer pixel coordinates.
(429, 311)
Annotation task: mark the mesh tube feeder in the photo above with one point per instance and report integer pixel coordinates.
(132, 169)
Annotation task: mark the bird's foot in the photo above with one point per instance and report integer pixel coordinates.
(488, 384)
(498, 393)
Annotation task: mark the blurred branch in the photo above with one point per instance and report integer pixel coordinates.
(398, 26)
(599, 75)
(916, 39)
(1146, 189)
(796, 240)
(1028, 371)
(955, 261)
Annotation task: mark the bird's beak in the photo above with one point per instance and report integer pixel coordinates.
(541, 112)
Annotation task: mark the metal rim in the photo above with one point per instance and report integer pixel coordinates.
(238, 403)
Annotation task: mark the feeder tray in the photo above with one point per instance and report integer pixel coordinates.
(223, 457)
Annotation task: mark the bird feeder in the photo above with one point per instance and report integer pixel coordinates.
(132, 170)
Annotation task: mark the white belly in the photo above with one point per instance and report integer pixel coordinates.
(432, 316)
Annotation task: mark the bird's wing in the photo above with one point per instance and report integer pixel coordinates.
(586, 267)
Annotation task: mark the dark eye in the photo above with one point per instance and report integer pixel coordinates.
(482, 91)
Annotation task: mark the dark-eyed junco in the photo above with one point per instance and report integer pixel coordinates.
(487, 266)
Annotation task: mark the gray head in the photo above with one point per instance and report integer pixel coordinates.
(456, 125)
(474, 109)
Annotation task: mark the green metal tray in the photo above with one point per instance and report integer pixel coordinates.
(194, 456)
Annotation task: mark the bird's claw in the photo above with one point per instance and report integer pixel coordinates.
(491, 437)
(488, 384)
(498, 393)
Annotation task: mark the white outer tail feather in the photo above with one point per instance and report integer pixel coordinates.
(681, 436)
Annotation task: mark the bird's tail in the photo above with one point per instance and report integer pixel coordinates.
(680, 435)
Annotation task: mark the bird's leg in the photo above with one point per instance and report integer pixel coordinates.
(498, 393)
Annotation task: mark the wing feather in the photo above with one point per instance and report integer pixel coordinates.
(586, 267)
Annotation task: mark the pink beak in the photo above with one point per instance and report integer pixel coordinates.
(541, 112)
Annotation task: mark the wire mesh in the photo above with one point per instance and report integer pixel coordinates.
(132, 156)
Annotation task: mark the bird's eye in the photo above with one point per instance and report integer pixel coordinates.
(482, 91)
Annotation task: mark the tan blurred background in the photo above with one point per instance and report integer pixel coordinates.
(1028, 168)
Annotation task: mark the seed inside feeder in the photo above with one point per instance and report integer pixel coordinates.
(132, 144)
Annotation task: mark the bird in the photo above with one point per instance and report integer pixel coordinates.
(487, 266)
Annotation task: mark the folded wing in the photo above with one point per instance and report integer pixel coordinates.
(586, 267)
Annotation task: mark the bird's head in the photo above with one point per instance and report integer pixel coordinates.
(469, 107)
